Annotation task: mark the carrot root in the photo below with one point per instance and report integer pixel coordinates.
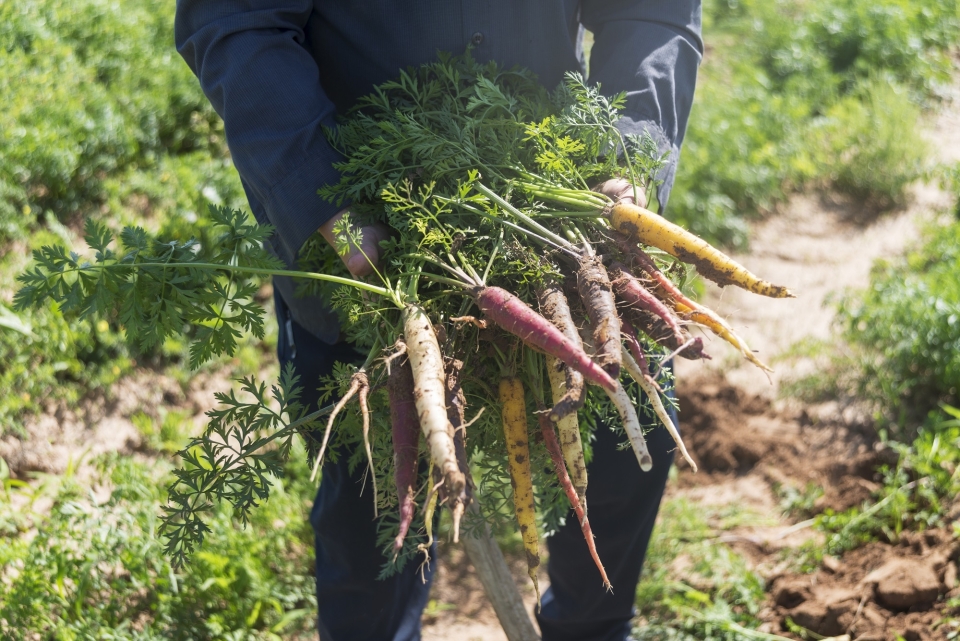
(358, 379)
(429, 379)
(514, 413)
(652, 229)
(650, 389)
(456, 407)
(513, 315)
(553, 448)
(405, 429)
(596, 293)
(556, 309)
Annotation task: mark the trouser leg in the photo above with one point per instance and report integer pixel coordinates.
(622, 506)
(352, 604)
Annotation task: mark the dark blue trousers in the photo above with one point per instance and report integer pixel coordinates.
(355, 606)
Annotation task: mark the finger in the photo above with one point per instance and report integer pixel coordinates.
(362, 260)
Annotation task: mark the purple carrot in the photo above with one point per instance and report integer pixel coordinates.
(632, 292)
(406, 440)
(513, 315)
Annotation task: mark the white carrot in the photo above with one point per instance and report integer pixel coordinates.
(628, 415)
(426, 361)
(650, 389)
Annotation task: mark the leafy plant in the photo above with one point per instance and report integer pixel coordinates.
(916, 492)
(904, 329)
(718, 598)
(96, 570)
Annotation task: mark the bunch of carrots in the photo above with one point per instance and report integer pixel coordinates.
(476, 165)
(511, 300)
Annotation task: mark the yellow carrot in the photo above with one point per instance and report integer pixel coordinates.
(568, 429)
(651, 229)
(717, 326)
(514, 414)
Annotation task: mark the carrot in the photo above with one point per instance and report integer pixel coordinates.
(632, 292)
(692, 311)
(593, 283)
(553, 447)
(628, 415)
(429, 509)
(650, 389)
(362, 395)
(406, 440)
(646, 264)
(554, 306)
(720, 328)
(651, 229)
(513, 315)
(456, 406)
(654, 327)
(630, 337)
(357, 381)
(567, 388)
(569, 428)
(514, 413)
(426, 363)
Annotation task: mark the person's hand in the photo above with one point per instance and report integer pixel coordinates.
(355, 261)
(621, 189)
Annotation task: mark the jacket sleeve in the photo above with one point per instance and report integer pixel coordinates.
(651, 50)
(253, 67)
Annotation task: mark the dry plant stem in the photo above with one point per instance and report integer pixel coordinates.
(553, 448)
(360, 378)
(365, 414)
(426, 361)
(643, 379)
(405, 428)
(499, 585)
(456, 408)
(649, 228)
(556, 309)
(596, 293)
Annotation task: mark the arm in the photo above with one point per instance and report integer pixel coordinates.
(649, 49)
(253, 67)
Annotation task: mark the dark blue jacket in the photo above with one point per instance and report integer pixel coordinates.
(277, 70)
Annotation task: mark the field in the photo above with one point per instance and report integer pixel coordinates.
(824, 149)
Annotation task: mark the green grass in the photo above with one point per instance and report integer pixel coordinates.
(822, 94)
(95, 568)
(693, 585)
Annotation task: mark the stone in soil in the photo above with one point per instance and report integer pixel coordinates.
(904, 583)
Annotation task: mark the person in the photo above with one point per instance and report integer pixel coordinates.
(278, 72)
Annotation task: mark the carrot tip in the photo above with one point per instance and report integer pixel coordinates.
(457, 514)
